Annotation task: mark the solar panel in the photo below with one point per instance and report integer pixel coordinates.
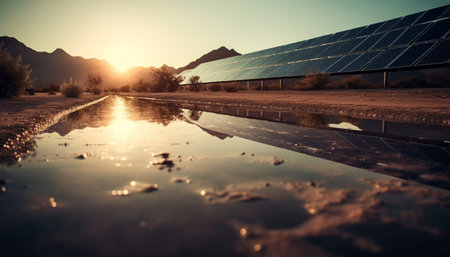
(348, 46)
(387, 39)
(387, 25)
(360, 62)
(320, 40)
(438, 54)
(316, 51)
(368, 43)
(413, 40)
(335, 37)
(351, 33)
(341, 63)
(370, 29)
(407, 20)
(331, 49)
(325, 63)
(410, 56)
(384, 58)
(432, 14)
(410, 34)
(437, 30)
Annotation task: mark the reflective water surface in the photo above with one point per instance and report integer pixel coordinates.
(134, 177)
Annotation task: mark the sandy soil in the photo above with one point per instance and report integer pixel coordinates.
(431, 106)
(24, 116)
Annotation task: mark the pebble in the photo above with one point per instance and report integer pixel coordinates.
(163, 155)
(243, 232)
(257, 248)
(277, 161)
(82, 156)
(151, 188)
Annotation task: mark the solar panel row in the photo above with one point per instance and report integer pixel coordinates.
(413, 40)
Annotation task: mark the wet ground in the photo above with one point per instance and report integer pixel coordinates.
(133, 177)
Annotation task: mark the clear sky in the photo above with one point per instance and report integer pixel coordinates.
(155, 32)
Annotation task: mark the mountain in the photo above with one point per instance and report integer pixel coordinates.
(58, 65)
(217, 54)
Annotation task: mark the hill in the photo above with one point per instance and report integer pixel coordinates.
(55, 66)
(217, 54)
(59, 65)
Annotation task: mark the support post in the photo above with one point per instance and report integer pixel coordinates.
(262, 85)
(248, 85)
(386, 79)
(281, 84)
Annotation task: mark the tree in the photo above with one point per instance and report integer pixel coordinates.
(14, 77)
(95, 83)
(165, 80)
(194, 82)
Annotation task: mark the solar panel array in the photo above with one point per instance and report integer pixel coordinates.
(416, 40)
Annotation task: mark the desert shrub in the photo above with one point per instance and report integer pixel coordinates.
(165, 80)
(312, 81)
(72, 89)
(14, 77)
(242, 87)
(230, 88)
(194, 82)
(51, 88)
(30, 91)
(215, 87)
(125, 89)
(353, 82)
(94, 83)
(96, 90)
(272, 86)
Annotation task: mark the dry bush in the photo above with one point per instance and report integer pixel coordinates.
(272, 86)
(14, 77)
(312, 81)
(230, 88)
(215, 87)
(194, 83)
(125, 89)
(72, 89)
(353, 82)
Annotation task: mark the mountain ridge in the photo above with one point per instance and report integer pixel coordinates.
(57, 66)
(217, 54)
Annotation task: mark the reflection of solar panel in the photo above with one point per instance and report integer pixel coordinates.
(414, 40)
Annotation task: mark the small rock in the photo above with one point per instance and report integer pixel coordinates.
(312, 183)
(243, 232)
(163, 155)
(82, 156)
(150, 188)
(257, 248)
(242, 153)
(277, 161)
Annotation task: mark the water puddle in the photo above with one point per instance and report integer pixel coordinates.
(133, 177)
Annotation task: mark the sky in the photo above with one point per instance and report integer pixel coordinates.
(146, 33)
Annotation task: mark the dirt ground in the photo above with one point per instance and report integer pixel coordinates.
(24, 116)
(430, 106)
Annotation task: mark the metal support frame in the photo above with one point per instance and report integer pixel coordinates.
(386, 79)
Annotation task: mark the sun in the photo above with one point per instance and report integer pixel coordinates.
(121, 67)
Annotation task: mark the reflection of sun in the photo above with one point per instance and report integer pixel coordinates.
(120, 125)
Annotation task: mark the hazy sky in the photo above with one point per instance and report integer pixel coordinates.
(174, 32)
